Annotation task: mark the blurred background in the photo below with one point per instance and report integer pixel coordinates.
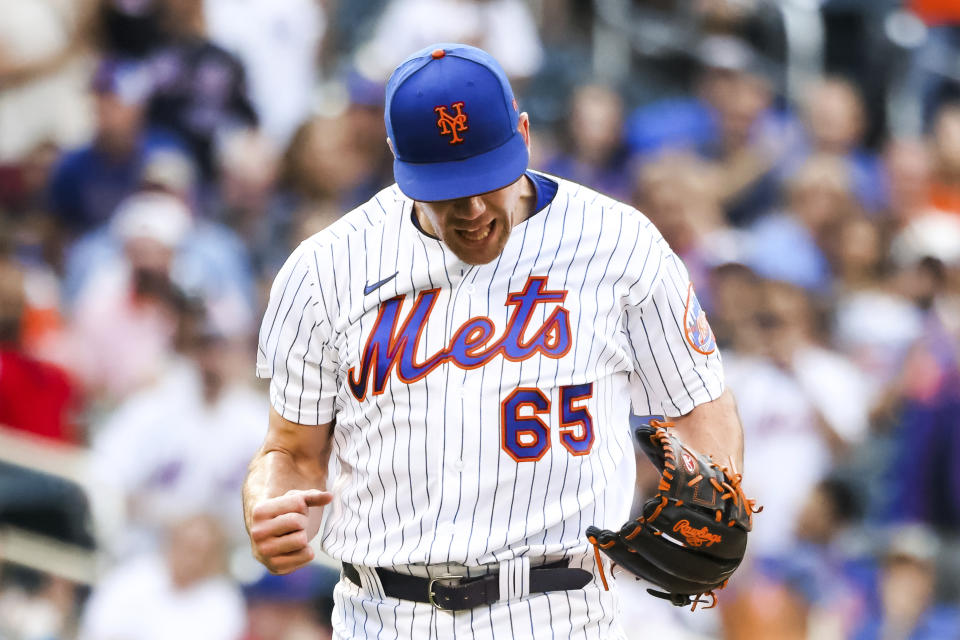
(159, 159)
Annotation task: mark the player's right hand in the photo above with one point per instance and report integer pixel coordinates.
(281, 529)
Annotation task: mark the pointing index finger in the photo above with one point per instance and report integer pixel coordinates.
(291, 502)
(317, 498)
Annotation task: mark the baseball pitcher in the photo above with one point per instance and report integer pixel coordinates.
(453, 366)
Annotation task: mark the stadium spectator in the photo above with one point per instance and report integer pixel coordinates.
(292, 606)
(30, 235)
(503, 28)
(794, 342)
(836, 123)
(183, 592)
(249, 201)
(183, 444)
(90, 181)
(730, 121)
(321, 164)
(735, 298)
(42, 72)
(595, 154)
(210, 261)
(875, 329)
(124, 316)
(815, 589)
(932, 81)
(859, 256)
(787, 415)
(945, 146)
(199, 89)
(35, 397)
(35, 605)
(908, 606)
(681, 194)
(923, 400)
(278, 42)
(876, 323)
(770, 608)
(928, 424)
(908, 168)
(24, 184)
(790, 245)
(364, 118)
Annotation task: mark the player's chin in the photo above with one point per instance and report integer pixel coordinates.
(479, 246)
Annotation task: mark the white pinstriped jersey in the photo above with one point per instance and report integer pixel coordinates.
(481, 412)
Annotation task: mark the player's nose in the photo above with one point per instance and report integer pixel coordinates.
(473, 208)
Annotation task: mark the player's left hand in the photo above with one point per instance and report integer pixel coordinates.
(693, 533)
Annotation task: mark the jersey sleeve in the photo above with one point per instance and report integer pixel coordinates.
(676, 364)
(294, 348)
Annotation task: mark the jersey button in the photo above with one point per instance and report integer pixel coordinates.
(470, 289)
(447, 529)
(457, 465)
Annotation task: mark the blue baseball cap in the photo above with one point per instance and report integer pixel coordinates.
(452, 119)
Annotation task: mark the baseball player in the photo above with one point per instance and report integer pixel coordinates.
(452, 368)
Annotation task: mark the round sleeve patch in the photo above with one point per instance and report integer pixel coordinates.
(695, 326)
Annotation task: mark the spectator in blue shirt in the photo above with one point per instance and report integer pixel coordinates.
(89, 182)
(790, 245)
(732, 121)
(908, 607)
(835, 122)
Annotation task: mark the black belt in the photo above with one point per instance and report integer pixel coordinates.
(470, 592)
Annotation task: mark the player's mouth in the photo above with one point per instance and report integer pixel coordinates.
(477, 235)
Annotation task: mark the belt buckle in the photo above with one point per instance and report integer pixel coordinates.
(430, 592)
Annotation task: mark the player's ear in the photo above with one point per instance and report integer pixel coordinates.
(523, 126)
(390, 144)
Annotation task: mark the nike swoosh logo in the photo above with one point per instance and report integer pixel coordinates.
(370, 288)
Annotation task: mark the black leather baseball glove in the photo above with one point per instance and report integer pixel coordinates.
(692, 535)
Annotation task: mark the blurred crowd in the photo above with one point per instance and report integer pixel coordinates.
(159, 159)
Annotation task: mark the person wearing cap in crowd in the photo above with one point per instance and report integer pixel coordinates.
(211, 260)
(284, 607)
(123, 317)
(123, 273)
(908, 599)
(89, 182)
(461, 349)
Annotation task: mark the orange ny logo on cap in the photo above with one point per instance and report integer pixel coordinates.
(450, 125)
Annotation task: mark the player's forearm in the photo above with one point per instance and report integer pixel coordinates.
(714, 428)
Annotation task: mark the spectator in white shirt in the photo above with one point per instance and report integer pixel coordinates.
(183, 594)
(803, 407)
(503, 28)
(184, 443)
(278, 42)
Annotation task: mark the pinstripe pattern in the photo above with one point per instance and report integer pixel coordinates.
(418, 470)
